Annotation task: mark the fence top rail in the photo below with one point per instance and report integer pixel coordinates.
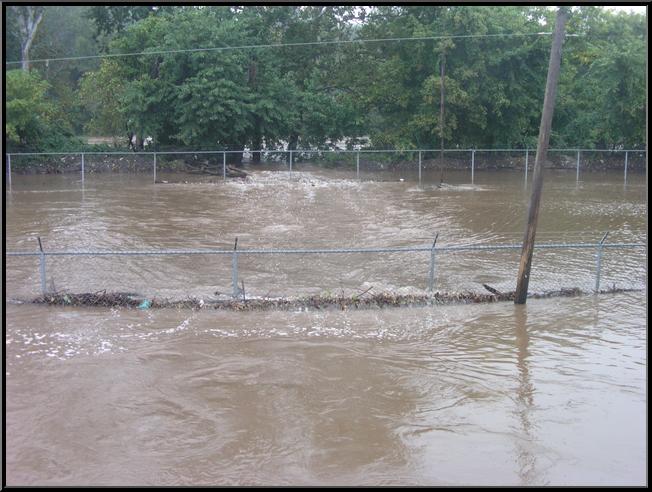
(310, 151)
(469, 247)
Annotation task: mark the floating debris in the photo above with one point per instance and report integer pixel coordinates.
(146, 304)
(316, 302)
(101, 298)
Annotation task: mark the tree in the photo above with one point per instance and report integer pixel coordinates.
(28, 19)
(12, 36)
(230, 98)
(489, 81)
(602, 90)
(310, 95)
(65, 32)
(110, 19)
(33, 121)
(28, 111)
(102, 94)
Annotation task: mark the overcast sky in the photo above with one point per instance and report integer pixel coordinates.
(639, 9)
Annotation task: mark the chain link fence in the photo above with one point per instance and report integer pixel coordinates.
(289, 272)
(364, 162)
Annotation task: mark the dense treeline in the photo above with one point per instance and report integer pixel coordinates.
(313, 95)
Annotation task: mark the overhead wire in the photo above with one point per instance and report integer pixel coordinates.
(280, 45)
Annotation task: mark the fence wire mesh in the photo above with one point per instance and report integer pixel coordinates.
(364, 163)
(296, 272)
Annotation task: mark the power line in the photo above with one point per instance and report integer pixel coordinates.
(280, 45)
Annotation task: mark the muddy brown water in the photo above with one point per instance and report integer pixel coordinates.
(553, 392)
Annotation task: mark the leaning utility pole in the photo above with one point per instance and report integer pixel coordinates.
(542, 154)
(442, 98)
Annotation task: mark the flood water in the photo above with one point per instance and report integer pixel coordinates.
(553, 392)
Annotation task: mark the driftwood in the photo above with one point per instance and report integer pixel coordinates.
(492, 290)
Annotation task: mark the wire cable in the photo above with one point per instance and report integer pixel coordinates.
(279, 45)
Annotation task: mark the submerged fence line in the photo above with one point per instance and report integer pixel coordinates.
(235, 253)
(299, 152)
(315, 151)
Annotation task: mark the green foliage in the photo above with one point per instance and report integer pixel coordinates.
(493, 86)
(101, 93)
(312, 96)
(229, 98)
(109, 19)
(65, 32)
(27, 109)
(33, 121)
(12, 36)
(602, 92)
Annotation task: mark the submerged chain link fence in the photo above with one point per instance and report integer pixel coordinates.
(414, 161)
(237, 272)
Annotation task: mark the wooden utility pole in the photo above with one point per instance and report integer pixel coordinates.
(542, 153)
(442, 93)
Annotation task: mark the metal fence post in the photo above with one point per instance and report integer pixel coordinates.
(626, 156)
(154, 167)
(473, 167)
(357, 165)
(224, 165)
(527, 155)
(82, 170)
(577, 177)
(419, 167)
(599, 262)
(290, 162)
(9, 169)
(42, 267)
(234, 270)
(431, 277)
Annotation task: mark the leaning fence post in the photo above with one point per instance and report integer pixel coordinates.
(234, 270)
(527, 155)
(599, 262)
(42, 266)
(154, 167)
(431, 278)
(626, 166)
(82, 168)
(9, 169)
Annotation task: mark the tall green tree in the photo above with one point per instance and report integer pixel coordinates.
(490, 82)
(312, 92)
(65, 32)
(602, 89)
(232, 97)
(33, 121)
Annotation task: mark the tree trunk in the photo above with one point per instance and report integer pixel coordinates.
(294, 140)
(29, 19)
(256, 143)
(257, 137)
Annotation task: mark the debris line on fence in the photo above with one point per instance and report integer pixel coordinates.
(316, 302)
